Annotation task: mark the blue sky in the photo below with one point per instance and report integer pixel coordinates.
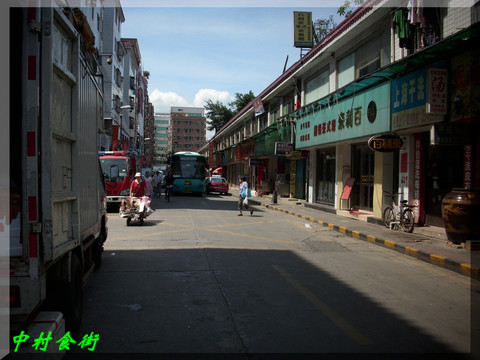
(199, 53)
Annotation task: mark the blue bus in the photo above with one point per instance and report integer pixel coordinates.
(188, 169)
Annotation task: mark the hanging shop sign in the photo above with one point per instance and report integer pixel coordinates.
(282, 148)
(450, 134)
(303, 31)
(465, 83)
(385, 143)
(365, 114)
(211, 157)
(255, 162)
(419, 98)
(258, 106)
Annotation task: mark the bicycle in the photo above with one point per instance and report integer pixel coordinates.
(399, 215)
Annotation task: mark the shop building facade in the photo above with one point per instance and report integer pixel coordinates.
(417, 93)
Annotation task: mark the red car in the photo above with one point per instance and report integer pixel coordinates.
(217, 184)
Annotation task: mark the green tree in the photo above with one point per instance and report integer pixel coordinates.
(346, 9)
(241, 100)
(217, 114)
(322, 27)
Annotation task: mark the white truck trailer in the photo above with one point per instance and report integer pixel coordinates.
(58, 202)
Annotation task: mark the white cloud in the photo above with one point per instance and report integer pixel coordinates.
(162, 101)
(215, 95)
(210, 94)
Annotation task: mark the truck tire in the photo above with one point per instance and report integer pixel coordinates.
(97, 250)
(73, 299)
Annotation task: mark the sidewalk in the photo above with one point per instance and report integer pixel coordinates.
(429, 244)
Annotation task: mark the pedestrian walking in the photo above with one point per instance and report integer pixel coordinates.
(243, 197)
(148, 185)
(158, 178)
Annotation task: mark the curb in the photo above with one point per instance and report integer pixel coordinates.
(437, 260)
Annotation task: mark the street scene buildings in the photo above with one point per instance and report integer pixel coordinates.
(404, 74)
(386, 103)
(188, 128)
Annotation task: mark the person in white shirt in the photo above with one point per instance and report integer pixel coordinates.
(158, 178)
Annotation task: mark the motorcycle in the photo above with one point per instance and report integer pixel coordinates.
(135, 209)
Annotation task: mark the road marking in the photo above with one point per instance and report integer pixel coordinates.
(250, 236)
(325, 309)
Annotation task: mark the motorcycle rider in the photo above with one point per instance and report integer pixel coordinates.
(137, 188)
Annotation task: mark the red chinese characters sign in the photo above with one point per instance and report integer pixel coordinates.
(244, 151)
(366, 114)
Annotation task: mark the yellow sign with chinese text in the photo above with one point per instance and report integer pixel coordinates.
(303, 31)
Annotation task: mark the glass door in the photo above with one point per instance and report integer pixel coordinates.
(363, 169)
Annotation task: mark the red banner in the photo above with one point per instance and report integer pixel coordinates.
(211, 162)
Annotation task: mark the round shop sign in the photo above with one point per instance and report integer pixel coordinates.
(385, 143)
(372, 112)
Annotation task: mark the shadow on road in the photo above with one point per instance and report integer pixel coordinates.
(234, 301)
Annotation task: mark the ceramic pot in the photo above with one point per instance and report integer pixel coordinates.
(460, 213)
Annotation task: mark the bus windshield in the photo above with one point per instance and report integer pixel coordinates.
(188, 167)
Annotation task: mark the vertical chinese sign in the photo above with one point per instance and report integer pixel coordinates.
(303, 31)
(211, 160)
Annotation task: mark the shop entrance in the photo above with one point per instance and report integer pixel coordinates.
(362, 169)
(444, 172)
(301, 165)
(326, 160)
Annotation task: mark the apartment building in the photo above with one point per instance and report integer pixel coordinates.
(162, 138)
(371, 108)
(188, 128)
(132, 113)
(112, 65)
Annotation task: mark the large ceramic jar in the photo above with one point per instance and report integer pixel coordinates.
(460, 213)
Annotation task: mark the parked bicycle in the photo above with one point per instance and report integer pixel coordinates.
(396, 216)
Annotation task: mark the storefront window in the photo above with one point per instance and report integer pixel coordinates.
(317, 87)
(326, 175)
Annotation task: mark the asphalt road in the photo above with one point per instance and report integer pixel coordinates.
(197, 278)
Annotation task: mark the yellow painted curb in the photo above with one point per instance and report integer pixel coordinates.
(469, 271)
(412, 251)
(389, 243)
(437, 259)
